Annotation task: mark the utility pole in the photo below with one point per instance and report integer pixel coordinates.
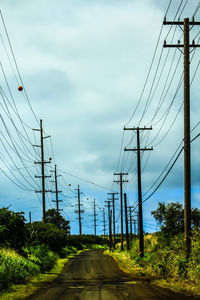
(104, 222)
(121, 181)
(134, 222)
(109, 222)
(138, 224)
(138, 150)
(95, 217)
(56, 189)
(43, 176)
(113, 203)
(79, 211)
(130, 221)
(126, 221)
(187, 153)
(30, 217)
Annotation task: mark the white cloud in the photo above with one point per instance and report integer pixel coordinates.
(84, 64)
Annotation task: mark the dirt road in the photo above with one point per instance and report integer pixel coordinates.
(95, 276)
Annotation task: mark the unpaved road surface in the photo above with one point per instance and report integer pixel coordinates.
(93, 275)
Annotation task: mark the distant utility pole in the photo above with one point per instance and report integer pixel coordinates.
(138, 150)
(113, 203)
(130, 221)
(109, 222)
(187, 155)
(138, 224)
(43, 176)
(79, 211)
(104, 222)
(134, 222)
(121, 181)
(126, 221)
(30, 217)
(56, 189)
(95, 217)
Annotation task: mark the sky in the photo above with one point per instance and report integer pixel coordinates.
(83, 65)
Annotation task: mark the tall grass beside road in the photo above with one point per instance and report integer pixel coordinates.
(164, 261)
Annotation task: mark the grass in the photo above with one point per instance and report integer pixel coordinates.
(18, 292)
(15, 268)
(164, 263)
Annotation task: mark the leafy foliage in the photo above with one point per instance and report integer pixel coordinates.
(12, 228)
(86, 241)
(54, 217)
(41, 233)
(41, 255)
(15, 268)
(171, 217)
(165, 256)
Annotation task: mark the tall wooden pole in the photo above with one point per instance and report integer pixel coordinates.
(187, 156)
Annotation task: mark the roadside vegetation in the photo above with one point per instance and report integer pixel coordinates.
(28, 250)
(164, 259)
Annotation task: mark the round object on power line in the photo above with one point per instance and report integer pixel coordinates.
(20, 88)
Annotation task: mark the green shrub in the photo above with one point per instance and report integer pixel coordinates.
(165, 256)
(194, 261)
(182, 264)
(15, 269)
(12, 229)
(85, 241)
(40, 233)
(41, 255)
(68, 250)
(99, 246)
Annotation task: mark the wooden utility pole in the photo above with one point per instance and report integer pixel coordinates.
(104, 222)
(126, 221)
(30, 217)
(79, 211)
(121, 181)
(43, 176)
(187, 152)
(95, 217)
(109, 222)
(134, 222)
(130, 221)
(56, 189)
(138, 150)
(113, 203)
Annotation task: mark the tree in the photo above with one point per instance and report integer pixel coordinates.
(12, 228)
(171, 217)
(54, 217)
(48, 234)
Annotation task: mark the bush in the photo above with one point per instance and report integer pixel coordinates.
(85, 241)
(12, 229)
(194, 261)
(165, 256)
(40, 233)
(41, 255)
(15, 269)
(68, 250)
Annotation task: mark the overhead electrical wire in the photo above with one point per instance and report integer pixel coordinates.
(83, 179)
(17, 68)
(149, 73)
(181, 104)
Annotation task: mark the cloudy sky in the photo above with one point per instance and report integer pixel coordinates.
(83, 65)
